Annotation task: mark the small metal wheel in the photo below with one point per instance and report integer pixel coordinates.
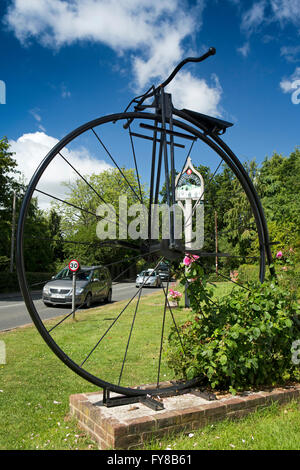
(124, 348)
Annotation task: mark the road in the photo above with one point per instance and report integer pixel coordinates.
(13, 311)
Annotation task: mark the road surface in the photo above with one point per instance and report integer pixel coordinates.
(13, 311)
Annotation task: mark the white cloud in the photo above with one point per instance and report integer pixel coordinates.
(153, 33)
(196, 94)
(254, 17)
(244, 50)
(270, 11)
(291, 53)
(35, 113)
(286, 10)
(288, 85)
(31, 148)
(121, 25)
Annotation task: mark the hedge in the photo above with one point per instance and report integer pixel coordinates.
(9, 281)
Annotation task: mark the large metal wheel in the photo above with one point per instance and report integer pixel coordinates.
(107, 350)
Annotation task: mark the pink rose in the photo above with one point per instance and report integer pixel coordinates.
(187, 261)
(279, 255)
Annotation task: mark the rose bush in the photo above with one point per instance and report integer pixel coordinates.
(238, 341)
(174, 295)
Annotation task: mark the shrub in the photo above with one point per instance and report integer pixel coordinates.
(9, 281)
(238, 341)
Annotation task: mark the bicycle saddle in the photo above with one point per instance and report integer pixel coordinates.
(211, 124)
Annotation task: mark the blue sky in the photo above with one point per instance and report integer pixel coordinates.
(66, 62)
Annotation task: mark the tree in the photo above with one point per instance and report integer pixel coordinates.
(242, 236)
(79, 221)
(279, 189)
(7, 168)
(39, 256)
(8, 185)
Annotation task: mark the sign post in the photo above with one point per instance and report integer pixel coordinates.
(190, 187)
(73, 266)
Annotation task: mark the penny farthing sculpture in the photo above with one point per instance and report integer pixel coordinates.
(142, 151)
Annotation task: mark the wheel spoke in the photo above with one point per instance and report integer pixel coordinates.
(162, 337)
(68, 203)
(165, 132)
(130, 333)
(117, 318)
(226, 277)
(135, 164)
(113, 280)
(115, 163)
(66, 317)
(173, 318)
(83, 178)
(152, 176)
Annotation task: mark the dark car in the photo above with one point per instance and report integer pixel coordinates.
(92, 285)
(163, 271)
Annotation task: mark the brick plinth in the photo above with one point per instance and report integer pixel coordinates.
(130, 426)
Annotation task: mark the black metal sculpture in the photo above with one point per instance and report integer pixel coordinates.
(168, 135)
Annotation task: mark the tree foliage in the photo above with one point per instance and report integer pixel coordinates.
(39, 255)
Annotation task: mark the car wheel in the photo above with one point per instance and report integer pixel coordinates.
(47, 304)
(88, 300)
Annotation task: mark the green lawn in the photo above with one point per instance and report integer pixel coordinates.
(274, 428)
(35, 385)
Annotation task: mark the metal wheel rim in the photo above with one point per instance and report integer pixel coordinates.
(20, 259)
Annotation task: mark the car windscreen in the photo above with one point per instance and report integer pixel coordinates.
(84, 275)
(163, 268)
(64, 274)
(67, 274)
(147, 273)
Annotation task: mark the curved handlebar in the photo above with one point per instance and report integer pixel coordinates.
(211, 51)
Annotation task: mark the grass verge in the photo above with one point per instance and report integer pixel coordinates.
(273, 428)
(35, 386)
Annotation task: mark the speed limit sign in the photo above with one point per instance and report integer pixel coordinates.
(73, 265)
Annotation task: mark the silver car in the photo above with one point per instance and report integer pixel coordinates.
(92, 284)
(149, 278)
